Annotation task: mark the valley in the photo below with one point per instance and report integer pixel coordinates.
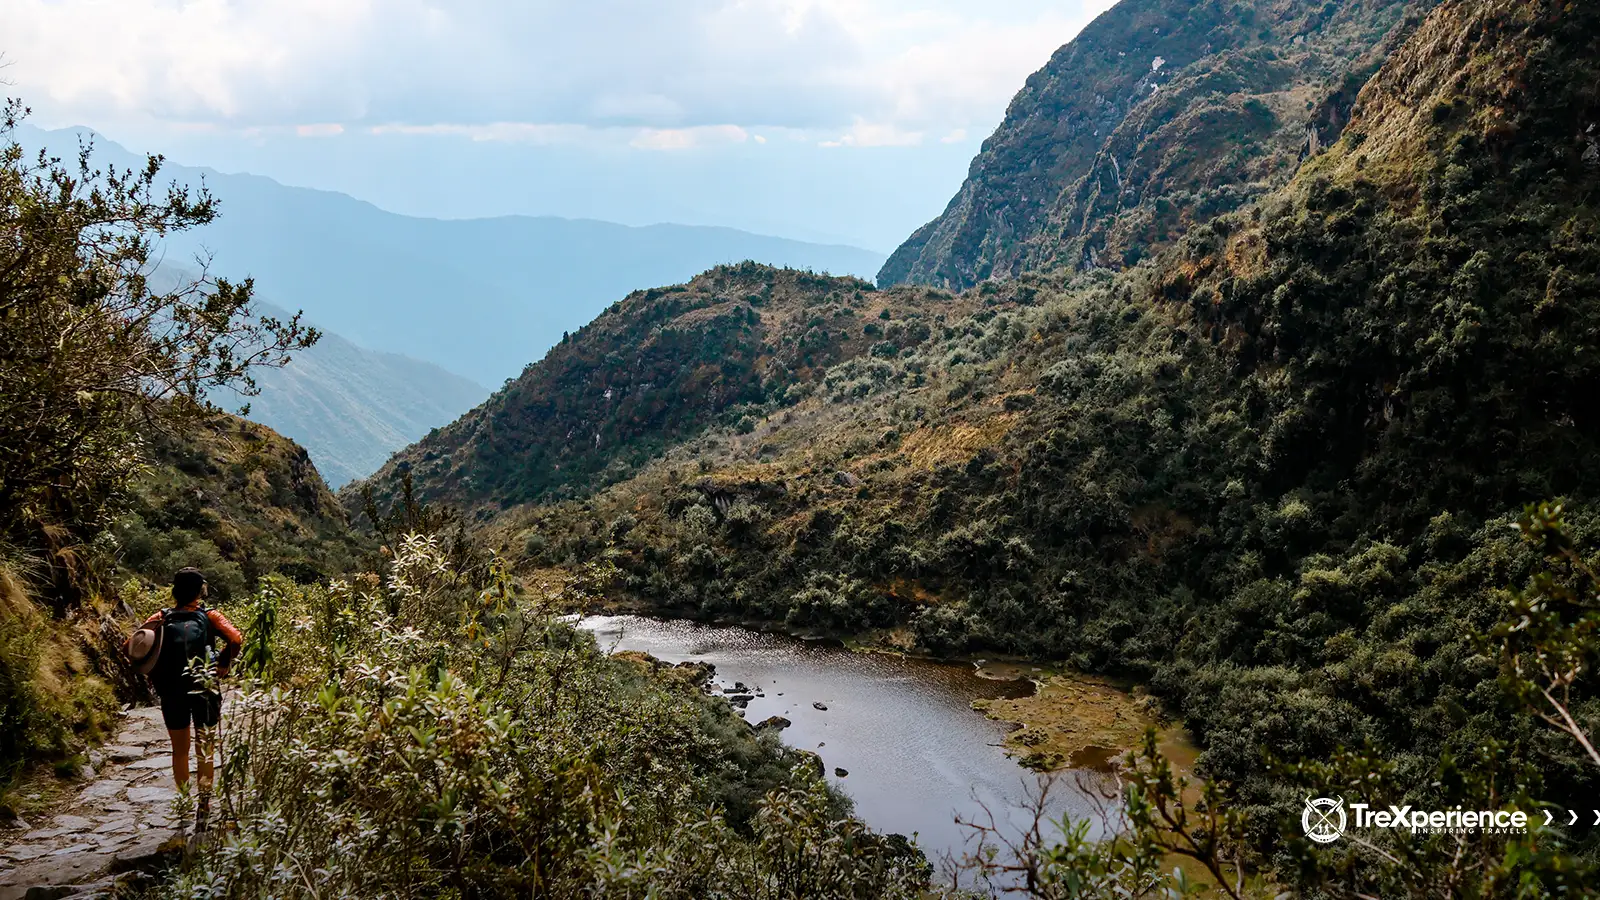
(1221, 447)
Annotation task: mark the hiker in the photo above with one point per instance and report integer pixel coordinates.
(181, 639)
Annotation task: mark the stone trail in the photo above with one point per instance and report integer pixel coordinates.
(120, 821)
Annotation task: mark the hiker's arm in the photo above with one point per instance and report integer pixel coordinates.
(231, 635)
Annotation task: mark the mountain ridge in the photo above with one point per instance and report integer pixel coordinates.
(1208, 105)
(512, 285)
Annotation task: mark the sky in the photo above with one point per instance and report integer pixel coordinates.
(843, 120)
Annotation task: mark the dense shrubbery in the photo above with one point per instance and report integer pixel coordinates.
(473, 745)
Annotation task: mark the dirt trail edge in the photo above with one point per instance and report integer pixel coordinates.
(120, 821)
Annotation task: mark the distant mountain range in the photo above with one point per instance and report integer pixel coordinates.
(350, 407)
(482, 297)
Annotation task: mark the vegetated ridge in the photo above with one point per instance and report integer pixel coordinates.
(657, 367)
(1160, 115)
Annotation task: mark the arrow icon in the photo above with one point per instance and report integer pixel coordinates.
(1574, 819)
(1597, 817)
(1548, 818)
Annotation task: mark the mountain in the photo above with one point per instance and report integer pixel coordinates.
(1271, 471)
(480, 297)
(351, 407)
(658, 367)
(1159, 115)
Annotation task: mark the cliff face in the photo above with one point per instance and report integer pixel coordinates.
(1161, 114)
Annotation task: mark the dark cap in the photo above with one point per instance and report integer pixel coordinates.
(187, 583)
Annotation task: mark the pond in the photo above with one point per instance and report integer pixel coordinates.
(915, 752)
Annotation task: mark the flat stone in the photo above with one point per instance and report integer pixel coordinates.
(104, 789)
(151, 795)
(123, 753)
(76, 823)
(115, 826)
(152, 762)
(53, 870)
(75, 848)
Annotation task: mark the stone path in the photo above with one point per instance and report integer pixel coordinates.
(120, 821)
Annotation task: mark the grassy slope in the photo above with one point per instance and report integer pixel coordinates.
(238, 500)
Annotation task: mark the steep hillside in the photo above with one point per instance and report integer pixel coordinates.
(480, 297)
(1271, 472)
(239, 501)
(659, 366)
(351, 408)
(1159, 115)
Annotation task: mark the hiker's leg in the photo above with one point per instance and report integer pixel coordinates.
(180, 756)
(204, 747)
(175, 713)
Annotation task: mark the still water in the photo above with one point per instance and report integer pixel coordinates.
(916, 753)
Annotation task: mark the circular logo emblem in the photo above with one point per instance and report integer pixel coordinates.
(1323, 819)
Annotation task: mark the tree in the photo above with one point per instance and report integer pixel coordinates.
(92, 353)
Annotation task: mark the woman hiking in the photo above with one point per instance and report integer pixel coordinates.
(183, 641)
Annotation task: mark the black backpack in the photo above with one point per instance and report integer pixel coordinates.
(186, 636)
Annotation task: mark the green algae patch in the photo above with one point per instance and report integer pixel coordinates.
(1077, 722)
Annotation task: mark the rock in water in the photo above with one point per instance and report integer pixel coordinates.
(820, 705)
(840, 771)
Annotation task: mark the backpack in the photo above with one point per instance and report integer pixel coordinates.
(186, 636)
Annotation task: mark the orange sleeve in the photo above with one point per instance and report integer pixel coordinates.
(229, 633)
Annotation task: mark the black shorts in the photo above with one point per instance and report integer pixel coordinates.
(203, 708)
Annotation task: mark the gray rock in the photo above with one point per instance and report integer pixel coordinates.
(820, 705)
(75, 823)
(777, 723)
(104, 789)
(840, 771)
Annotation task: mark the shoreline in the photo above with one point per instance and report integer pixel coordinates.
(1070, 720)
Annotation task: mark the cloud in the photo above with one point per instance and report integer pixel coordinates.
(687, 138)
(875, 134)
(668, 70)
(326, 129)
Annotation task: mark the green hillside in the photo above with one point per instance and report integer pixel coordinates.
(657, 367)
(1160, 115)
(1271, 472)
